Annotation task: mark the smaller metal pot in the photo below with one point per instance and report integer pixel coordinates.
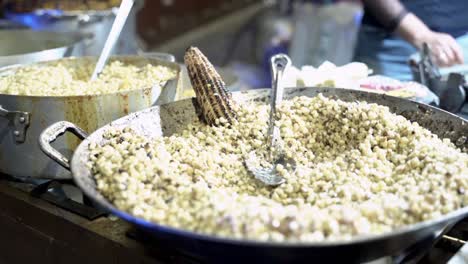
(27, 46)
(23, 118)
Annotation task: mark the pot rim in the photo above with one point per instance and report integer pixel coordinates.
(10, 69)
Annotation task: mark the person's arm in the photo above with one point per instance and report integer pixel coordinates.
(392, 15)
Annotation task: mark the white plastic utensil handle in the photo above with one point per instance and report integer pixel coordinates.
(113, 36)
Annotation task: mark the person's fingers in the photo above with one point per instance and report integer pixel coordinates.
(445, 49)
(442, 59)
(451, 49)
(457, 50)
(440, 55)
(450, 58)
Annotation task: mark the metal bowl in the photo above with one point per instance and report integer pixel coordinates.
(27, 46)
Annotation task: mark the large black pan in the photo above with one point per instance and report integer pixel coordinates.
(166, 119)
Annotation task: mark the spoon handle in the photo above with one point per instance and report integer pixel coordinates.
(279, 63)
(113, 36)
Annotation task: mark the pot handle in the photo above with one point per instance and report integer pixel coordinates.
(51, 133)
(19, 120)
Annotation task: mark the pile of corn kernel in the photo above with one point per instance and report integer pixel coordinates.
(60, 79)
(360, 170)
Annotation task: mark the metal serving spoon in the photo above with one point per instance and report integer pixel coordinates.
(119, 22)
(270, 176)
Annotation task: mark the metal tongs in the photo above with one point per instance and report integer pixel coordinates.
(269, 175)
(428, 70)
(451, 92)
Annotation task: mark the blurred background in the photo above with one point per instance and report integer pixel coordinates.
(237, 36)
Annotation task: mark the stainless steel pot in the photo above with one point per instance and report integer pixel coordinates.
(94, 22)
(27, 46)
(170, 118)
(23, 118)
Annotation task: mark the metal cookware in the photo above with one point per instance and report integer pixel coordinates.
(169, 118)
(27, 46)
(450, 86)
(95, 22)
(23, 118)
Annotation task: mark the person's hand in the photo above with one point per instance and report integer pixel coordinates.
(444, 49)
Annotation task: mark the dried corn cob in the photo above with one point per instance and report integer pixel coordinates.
(211, 93)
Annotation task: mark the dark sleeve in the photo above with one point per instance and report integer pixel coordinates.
(388, 13)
